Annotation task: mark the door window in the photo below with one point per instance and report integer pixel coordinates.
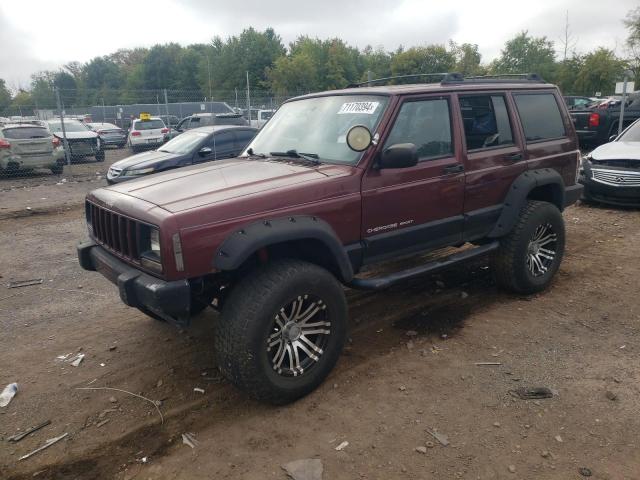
(222, 144)
(426, 124)
(540, 116)
(486, 121)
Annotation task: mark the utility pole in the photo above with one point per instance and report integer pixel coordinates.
(166, 104)
(627, 73)
(369, 78)
(65, 144)
(248, 99)
(104, 112)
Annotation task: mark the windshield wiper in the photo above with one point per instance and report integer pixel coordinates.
(311, 157)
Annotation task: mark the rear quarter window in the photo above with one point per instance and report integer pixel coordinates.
(540, 116)
(23, 133)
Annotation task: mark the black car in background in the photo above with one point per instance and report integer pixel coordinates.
(195, 146)
(109, 134)
(207, 119)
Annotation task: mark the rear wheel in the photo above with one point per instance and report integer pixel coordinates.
(530, 255)
(282, 330)
(57, 169)
(100, 156)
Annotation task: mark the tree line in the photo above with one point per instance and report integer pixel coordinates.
(310, 64)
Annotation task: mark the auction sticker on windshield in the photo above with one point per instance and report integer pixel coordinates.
(358, 107)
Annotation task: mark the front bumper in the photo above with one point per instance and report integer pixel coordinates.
(169, 300)
(624, 196)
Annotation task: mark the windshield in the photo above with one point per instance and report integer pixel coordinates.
(69, 126)
(184, 143)
(319, 126)
(632, 134)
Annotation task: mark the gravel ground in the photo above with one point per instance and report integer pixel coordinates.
(410, 368)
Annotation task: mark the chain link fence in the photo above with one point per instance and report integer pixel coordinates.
(58, 137)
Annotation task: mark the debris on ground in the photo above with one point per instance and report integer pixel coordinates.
(24, 283)
(585, 472)
(189, 439)
(443, 439)
(488, 364)
(430, 444)
(558, 438)
(512, 468)
(611, 396)
(198, 390)
(411, 333)
(464, 295)
(152, 402)
(113, 399)
(46, 445)
(7, 394)
(77, 360)
(104, 422)
(531, 393)
(342, 446)
(305, 469)
(28, 431)
(545, 454)
(421, 449)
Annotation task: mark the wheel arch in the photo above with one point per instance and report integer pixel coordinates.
(304, 237)
(544, 184)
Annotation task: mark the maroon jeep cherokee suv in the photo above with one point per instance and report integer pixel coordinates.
(336, 181)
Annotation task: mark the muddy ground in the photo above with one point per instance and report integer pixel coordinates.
(580, 338)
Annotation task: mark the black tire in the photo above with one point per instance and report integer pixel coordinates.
(249, 319)
(57, 170)
(100, 156)
(512, 262)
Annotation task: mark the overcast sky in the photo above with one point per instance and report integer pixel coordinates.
(36, 35)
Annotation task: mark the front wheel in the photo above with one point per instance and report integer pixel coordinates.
(530, 255)
(282, 330)
(100, 156)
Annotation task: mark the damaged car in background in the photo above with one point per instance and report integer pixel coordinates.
(611, 173)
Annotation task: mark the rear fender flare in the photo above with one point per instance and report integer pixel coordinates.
(520, 189)
(240, 245)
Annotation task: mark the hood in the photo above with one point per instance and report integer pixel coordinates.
(217, 182)
(617, 151)
(77, 135)
(145, 159)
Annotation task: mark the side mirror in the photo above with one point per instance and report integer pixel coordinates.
(400, 155)
(204, 151)
(612, 138)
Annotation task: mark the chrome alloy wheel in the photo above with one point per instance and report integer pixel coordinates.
(299, 335)
(541, 251)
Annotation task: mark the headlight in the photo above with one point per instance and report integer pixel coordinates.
(140, 171)
(151, 258)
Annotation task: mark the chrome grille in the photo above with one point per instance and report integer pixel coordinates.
(115, 232)
(616, 178)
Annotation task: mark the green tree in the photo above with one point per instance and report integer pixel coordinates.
(566, 73)
(377, 61)
(42, 89)
(5, 96)
(429, 59)
(632, 22)
(294, 74)
(599, 73)
(467, 57)
(526, 54)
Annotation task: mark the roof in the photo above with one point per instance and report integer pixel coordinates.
(216, 128)
(22, 125)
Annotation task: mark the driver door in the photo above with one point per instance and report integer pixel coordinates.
(406, 210)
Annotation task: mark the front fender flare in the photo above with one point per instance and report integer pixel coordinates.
(240, 245)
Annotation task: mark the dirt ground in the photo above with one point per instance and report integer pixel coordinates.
(410, 367)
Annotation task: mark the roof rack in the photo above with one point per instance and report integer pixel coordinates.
(500, 78)
(453, 77)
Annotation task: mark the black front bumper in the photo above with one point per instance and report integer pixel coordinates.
(619, 196)
(169, 300)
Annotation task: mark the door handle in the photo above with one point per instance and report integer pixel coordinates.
(513, 157)
(454, 168)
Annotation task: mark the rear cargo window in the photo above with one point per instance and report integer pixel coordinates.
(148, 125)
(25, 132)
(540, 116)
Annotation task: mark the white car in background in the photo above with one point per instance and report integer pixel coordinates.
(261, 117)
(147, 133)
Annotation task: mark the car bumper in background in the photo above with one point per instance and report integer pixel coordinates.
(621, 195)
(141, 141)
(169, 300)
(29, 161)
